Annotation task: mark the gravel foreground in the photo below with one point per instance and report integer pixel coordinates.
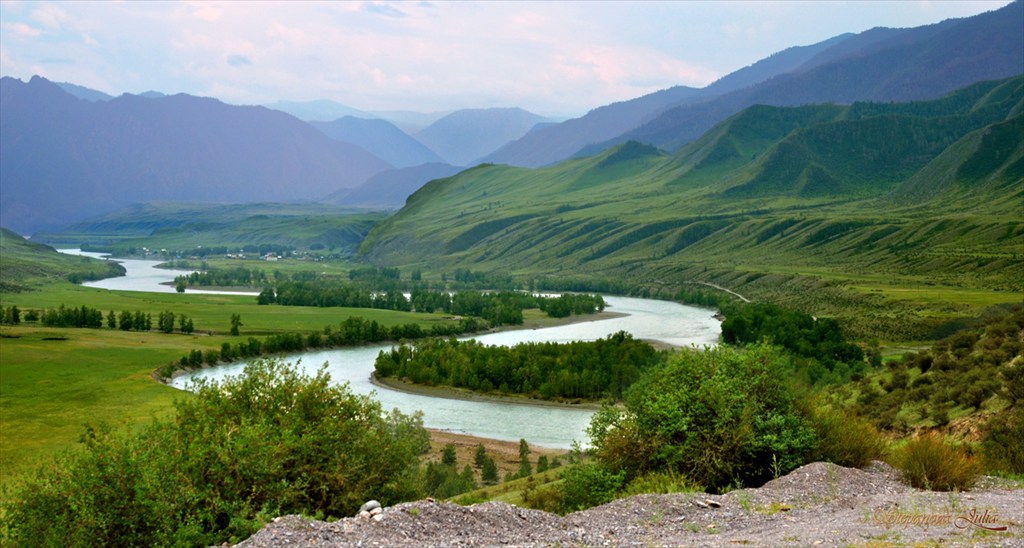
(816, 505)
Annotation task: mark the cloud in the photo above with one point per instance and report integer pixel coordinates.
(387, 9)
(238, 60)
(21, 29)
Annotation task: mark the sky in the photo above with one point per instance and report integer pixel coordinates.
(556, 59)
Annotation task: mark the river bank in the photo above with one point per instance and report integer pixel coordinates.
(463, 394)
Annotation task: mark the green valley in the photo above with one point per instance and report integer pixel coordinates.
(898, 219)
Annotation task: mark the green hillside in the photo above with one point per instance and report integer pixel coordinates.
(183, 226)
(868, 211)
(25, 265)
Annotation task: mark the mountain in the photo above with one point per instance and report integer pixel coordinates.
(381, 138)
(65, 159)
(866, 189)
(318, 111)
(575, 137)
(389, 189)
(409, 121)
(83, 92)
(878, 65)
(465, 135)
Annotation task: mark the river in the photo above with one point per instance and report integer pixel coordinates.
(547, 426)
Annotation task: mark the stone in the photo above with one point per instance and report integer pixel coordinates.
(369, 505)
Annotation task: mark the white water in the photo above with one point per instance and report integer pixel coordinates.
(539, 425)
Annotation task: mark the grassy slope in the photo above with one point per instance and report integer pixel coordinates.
(773, 203)
(26, 265)
(172, 225)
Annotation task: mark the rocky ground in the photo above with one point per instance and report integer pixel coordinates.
(816, 505)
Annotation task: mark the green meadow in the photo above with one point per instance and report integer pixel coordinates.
(55, 380)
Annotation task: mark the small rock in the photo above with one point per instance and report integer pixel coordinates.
(700, 503)
(376, 511)
(363, 515)
(369, 505)
(378, 517)
(713, 503)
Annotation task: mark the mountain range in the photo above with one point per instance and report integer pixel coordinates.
(69, 152)
(908, 187)
(65, 159)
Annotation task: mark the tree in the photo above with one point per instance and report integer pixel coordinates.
(480, 456)
(180, 284)
(489, 471)
(111, 320)
(165, 321)
(718, 416)
(524, 459)
(236, 322)
(448, 455)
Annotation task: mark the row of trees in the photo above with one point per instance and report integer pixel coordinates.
(587, 370)
(351, 332)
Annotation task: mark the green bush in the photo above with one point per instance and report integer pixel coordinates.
(846, 440)
(661, 483)
(587, 485)
(929, 462)
(269, 442)
(719, 416)
(1003, 442)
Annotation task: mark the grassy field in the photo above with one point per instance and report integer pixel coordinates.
(53, 380)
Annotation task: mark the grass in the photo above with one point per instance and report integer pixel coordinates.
(52, 380)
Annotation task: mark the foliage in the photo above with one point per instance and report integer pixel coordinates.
(719, 416)
(591, 370)
(845, 440)
(822, 339)
(929, 462)
(1003, 442)
(660, 482)
(269, 442)
(586, 485)
(963, 371)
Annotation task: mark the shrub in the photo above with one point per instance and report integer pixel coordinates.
(1003, 442)
(720, 416)
(846, 440)
(587, 485)
(929, 462)
(661, 483)
(268, 442)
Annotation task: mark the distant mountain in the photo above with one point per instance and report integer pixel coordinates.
(322, 110)
(878, 65)
(389, 189)
(83, 92)
(381, 138)
(586, 135)
(65, 159)
(152, 94)
(465, 135)
(409, 121)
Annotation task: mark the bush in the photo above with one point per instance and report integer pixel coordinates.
(1003, 442)
(720, 416)
(661, 483)
(929, 462)
(846, 440)
(587, 485)
(271, 441)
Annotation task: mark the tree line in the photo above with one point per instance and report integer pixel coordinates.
(353, 331)
(550, 371)
(87, 317)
